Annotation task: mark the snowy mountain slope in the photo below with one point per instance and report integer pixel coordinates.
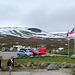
(25, 32)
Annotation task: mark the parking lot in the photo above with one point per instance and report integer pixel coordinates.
(7, 55)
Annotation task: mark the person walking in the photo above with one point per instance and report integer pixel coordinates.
(0, 63)
(10, 64)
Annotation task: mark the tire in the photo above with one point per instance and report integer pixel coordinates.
(40, 54)
(25, 55)
(18, 55)
(35, 55)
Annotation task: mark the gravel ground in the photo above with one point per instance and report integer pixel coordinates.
(41, 72)
(7, 55)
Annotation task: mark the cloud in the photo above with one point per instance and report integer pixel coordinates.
(9, 15)
(7, 11)
(58, 20)
(49, 15)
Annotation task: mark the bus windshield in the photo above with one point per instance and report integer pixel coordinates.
(42, 46)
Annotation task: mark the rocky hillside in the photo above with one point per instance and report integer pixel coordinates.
(32, 37)
(24, 32)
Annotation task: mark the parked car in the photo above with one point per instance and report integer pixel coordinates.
(12, 49)
(24, 53)
(4, 49)
(23, 49)
(36, 52)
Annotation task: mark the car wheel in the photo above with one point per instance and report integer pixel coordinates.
(35, 55)
(40, 54)
(25, 55)
(18, 55)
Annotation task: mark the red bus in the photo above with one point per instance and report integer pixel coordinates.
(42, 48)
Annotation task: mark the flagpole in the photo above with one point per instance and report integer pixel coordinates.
(68, 41)
(73, 31)
(74, 45)
(68, 46)
(74, 42)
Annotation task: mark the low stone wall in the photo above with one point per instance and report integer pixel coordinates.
(48, 66)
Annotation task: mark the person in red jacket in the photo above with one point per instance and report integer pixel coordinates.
(0, 63)
(10, 64)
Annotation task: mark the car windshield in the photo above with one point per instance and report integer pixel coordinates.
(35, 50)
(21, 51)
(27, 51)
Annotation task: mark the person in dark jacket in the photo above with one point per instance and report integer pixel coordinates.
(0, 63)
(10, 64)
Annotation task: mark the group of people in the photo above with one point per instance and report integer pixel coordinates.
(10, 64)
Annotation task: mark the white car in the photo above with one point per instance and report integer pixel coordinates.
(24, 53)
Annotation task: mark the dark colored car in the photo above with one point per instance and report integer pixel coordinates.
(4, 49)
(36, 52)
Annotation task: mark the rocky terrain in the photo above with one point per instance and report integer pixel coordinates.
(41, 72)
(10, 36)
(24, 32)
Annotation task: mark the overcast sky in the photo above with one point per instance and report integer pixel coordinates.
(48, 15)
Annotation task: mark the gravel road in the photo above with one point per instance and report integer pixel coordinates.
(7, 55)
(41, 72)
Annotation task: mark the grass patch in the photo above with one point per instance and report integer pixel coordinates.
(23, 60)
(73, 70)
(65, 52)
(73, 73)
(47, 59)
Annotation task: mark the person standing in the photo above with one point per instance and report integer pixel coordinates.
(0, 63)
(10, 64)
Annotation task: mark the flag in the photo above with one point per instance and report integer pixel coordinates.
(72, 31)
(67, 34)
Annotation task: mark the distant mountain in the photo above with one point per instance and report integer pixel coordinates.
(35, 30)
(25, 32)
